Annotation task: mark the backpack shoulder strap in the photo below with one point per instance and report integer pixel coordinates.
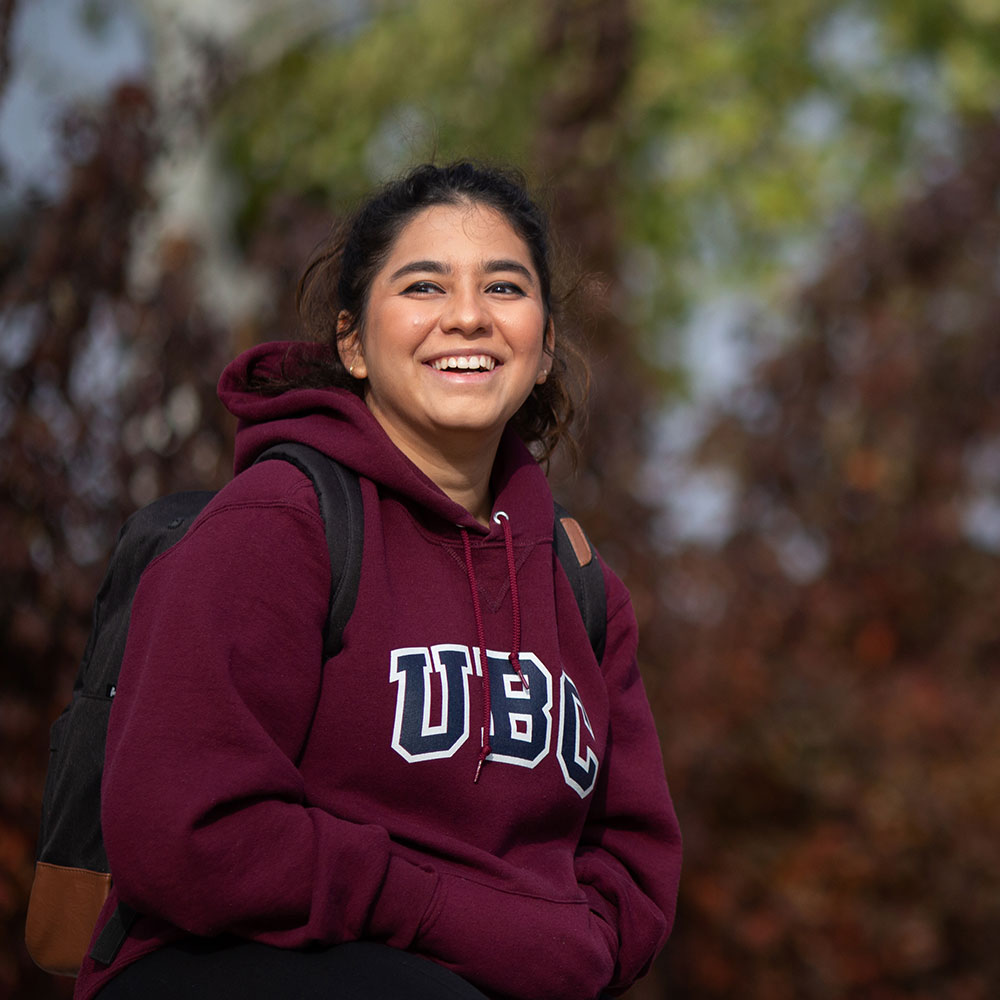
(586, 577)
(339, 494)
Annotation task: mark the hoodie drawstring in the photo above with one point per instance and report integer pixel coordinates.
(503, 520)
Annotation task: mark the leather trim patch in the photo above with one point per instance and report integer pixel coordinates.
(62, 912)
(581, 547)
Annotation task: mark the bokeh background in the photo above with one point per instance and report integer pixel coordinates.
(782, 220)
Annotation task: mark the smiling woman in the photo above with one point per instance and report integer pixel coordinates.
(333, 295)
(452, 344)
(467, 800)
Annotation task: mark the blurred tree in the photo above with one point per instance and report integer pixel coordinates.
(741, 130)
(107, 401)
(822, 680)
(688, 149)
(7, 11)
(835, 661)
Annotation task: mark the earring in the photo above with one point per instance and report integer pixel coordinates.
(350, 371)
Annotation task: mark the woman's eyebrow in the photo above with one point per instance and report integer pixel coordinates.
(434, 266)
(492, 266)
(437, 267)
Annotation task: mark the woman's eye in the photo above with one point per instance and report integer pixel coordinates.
(505, 288)
(422, 287)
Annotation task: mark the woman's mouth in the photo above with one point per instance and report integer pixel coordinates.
(472, 363)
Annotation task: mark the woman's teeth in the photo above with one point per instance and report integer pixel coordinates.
(478, 362)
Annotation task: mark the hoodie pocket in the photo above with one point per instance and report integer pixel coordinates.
(517, 945)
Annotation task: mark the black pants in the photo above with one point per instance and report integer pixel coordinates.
(244, 970)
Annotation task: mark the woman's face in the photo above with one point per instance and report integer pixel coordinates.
(455, 332)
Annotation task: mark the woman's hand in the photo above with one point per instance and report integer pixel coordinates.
(513, 944)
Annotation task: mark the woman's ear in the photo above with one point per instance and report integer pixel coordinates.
(548, 353)
(349, 348)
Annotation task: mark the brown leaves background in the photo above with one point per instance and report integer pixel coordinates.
(824, 682)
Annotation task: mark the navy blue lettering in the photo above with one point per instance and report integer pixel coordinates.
(521, 729)
(578, 762)
(432, 700)
(432, 711)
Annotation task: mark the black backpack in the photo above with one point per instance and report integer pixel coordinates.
(71, 879)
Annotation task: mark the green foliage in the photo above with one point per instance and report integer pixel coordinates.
(746, 130)
(755, 125)
(433, 79)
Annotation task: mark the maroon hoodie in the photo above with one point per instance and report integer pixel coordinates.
(252, 789)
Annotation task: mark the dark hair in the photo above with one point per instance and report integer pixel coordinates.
(339, 275)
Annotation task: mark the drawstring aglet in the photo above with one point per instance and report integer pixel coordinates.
(516, 664)
(483, 754)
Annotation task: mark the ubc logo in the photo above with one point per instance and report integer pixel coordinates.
(432, 710)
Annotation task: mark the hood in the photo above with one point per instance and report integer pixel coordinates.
(337, 422)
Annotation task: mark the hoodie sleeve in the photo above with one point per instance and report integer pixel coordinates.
(203, 808)
(629, 857)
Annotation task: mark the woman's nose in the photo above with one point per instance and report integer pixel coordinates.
(465, 312)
